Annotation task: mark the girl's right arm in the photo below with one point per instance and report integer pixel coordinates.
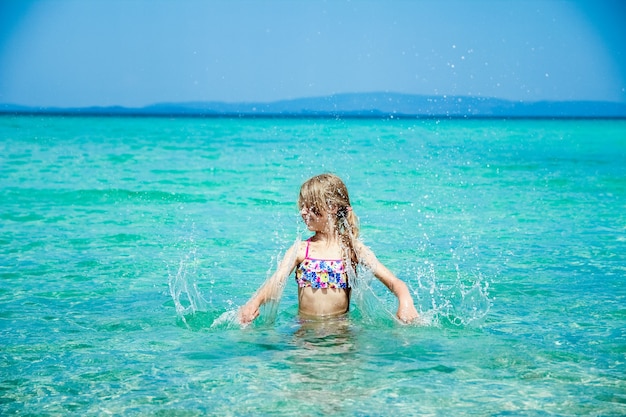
(272, 287)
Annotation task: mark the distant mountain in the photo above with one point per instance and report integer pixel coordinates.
(377, 105)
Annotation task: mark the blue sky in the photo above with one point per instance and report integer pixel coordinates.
(138, 52)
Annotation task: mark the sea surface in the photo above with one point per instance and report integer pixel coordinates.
(127, 245)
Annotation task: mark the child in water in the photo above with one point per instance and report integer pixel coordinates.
(326, 262)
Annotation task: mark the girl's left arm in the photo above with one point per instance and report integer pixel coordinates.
(406, 309)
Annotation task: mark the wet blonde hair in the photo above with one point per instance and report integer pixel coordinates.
(327, 194)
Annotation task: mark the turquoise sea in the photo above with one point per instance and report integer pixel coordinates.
(127, 244)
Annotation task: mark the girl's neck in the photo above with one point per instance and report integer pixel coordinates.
(326, 236)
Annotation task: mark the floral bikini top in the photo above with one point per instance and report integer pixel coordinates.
(321, 273)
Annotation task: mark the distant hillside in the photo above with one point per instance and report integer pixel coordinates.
(356, 105)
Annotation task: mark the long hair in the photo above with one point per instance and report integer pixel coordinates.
(326, 193)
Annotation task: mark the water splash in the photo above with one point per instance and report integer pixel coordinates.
(192, 309)
(370, 308)
(274, 286)
(463, 302)
(189, 302)
(183, 287)
(227, 320)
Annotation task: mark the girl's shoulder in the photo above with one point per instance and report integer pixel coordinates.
(360, 247)
(300, 248)
(303, 245)
(364, 253)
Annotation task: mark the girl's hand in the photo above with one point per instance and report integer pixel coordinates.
(407, 313)
(248, 312)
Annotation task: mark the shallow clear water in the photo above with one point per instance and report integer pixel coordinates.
(127, 244)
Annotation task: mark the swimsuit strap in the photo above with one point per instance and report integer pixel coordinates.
(306, 254)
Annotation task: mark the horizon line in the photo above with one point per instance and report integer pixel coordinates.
(318, 97)
(304, 116)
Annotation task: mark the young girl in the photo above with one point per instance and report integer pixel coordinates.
(326, 262)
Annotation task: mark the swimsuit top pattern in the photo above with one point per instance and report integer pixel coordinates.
(321, 273)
